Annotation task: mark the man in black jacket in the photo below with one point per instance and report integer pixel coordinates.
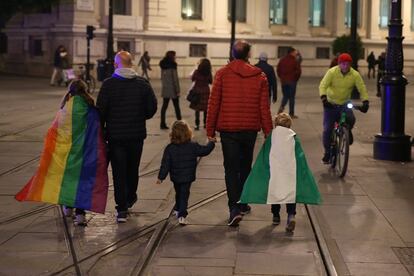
(125, 102)
(270, 75)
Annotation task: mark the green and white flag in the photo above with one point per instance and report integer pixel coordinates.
(281, 174)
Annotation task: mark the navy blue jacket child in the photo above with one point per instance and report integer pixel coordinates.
(180, 161)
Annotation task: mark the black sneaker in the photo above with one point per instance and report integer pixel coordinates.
(235, 218)
(163, 127)
(121, 217)
(325, 158)
(351, 138)
(245, 209)
(276, 220)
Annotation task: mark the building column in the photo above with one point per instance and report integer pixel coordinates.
(261, 18)
(375, 32)
(339, 18)
(406, 14)
(221, 24)
(301, 18)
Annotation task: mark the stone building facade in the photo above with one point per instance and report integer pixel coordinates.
(199, 28)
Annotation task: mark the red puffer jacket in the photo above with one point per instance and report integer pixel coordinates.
(239, 100)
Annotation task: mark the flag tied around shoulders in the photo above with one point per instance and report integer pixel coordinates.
(73, 164)
(281, 174)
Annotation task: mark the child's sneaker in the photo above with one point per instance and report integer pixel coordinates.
(291, 223)
(80, 220)
(245, 209)
(181, 221)
(235, 218)
(276, 220)
(121, 217)
(68, 211)
(175, 213)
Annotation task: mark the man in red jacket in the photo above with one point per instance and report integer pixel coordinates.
(238, 108)
(288, 71)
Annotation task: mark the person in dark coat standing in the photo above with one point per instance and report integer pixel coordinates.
(289, 71)
(270, 75)
(238, 108)
(202, 78)
(371, 64)
(381, 71)
(57, 74)
(180, 161)
(125, 102)
(170, 86)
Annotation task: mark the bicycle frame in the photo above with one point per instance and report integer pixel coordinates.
(340, 146)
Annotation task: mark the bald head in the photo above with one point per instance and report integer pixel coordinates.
(241, 50)
(123, 59)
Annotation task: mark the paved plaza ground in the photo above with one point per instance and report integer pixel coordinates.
(367, 218)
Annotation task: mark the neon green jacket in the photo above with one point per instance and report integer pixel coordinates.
(338, 87)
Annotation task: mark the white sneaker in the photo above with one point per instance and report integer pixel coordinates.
(181, 221)
(80, 220)
(175, 213)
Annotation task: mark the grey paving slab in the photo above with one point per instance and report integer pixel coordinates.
(274, 263)
(206, 262)
(191, 271)
(378, 269)
(362, 251)
(402, 222)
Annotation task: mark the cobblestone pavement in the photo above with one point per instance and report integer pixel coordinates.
(366, 218)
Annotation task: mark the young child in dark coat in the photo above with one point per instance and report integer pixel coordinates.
(180, 161)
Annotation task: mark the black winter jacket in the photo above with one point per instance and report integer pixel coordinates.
(180, 160)
(271, 78)
(125, 104)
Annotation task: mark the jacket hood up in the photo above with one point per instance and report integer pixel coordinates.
(244, 69)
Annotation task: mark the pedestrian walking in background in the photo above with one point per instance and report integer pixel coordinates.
(144, 61)
(125, 102)
(270, 75)
(202, 78)
(334, 61)
(170, 87)
(73, 165)
(57, 75)
(381, 71)
(371, 64)
(180, 161)
(281, 174)
(238, 108)
(289, 71)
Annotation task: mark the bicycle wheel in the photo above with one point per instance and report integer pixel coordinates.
(342, 151)
(333, 152)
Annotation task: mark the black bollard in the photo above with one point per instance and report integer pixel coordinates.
(392, 144)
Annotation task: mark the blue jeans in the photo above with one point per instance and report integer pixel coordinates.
(332, 115)
(182, 194)
(289, 93)
(125, 158)
(238, 157)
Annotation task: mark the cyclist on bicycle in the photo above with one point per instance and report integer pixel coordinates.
(335, 91)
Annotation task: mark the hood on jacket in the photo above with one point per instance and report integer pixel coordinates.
(166, 63)
(126, 73)
(243, 68)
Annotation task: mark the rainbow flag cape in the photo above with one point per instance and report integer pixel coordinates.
(73, 164)
(281, 174)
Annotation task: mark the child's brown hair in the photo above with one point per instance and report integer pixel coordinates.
(180, 132)
(283, 119)
(77, 87)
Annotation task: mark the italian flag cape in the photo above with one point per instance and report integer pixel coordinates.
(281, 174)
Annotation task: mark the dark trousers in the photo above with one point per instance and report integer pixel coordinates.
(290, 209)
(369, 71)
(289, 94)
(125, 158)
(165, 106)
(379, 76)
(182, 194)
(332, 115)
(238, 156)
(197, 118)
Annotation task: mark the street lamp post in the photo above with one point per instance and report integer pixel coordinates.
(353, 42)
(109, 62)
(233, 26)
(392, 144)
